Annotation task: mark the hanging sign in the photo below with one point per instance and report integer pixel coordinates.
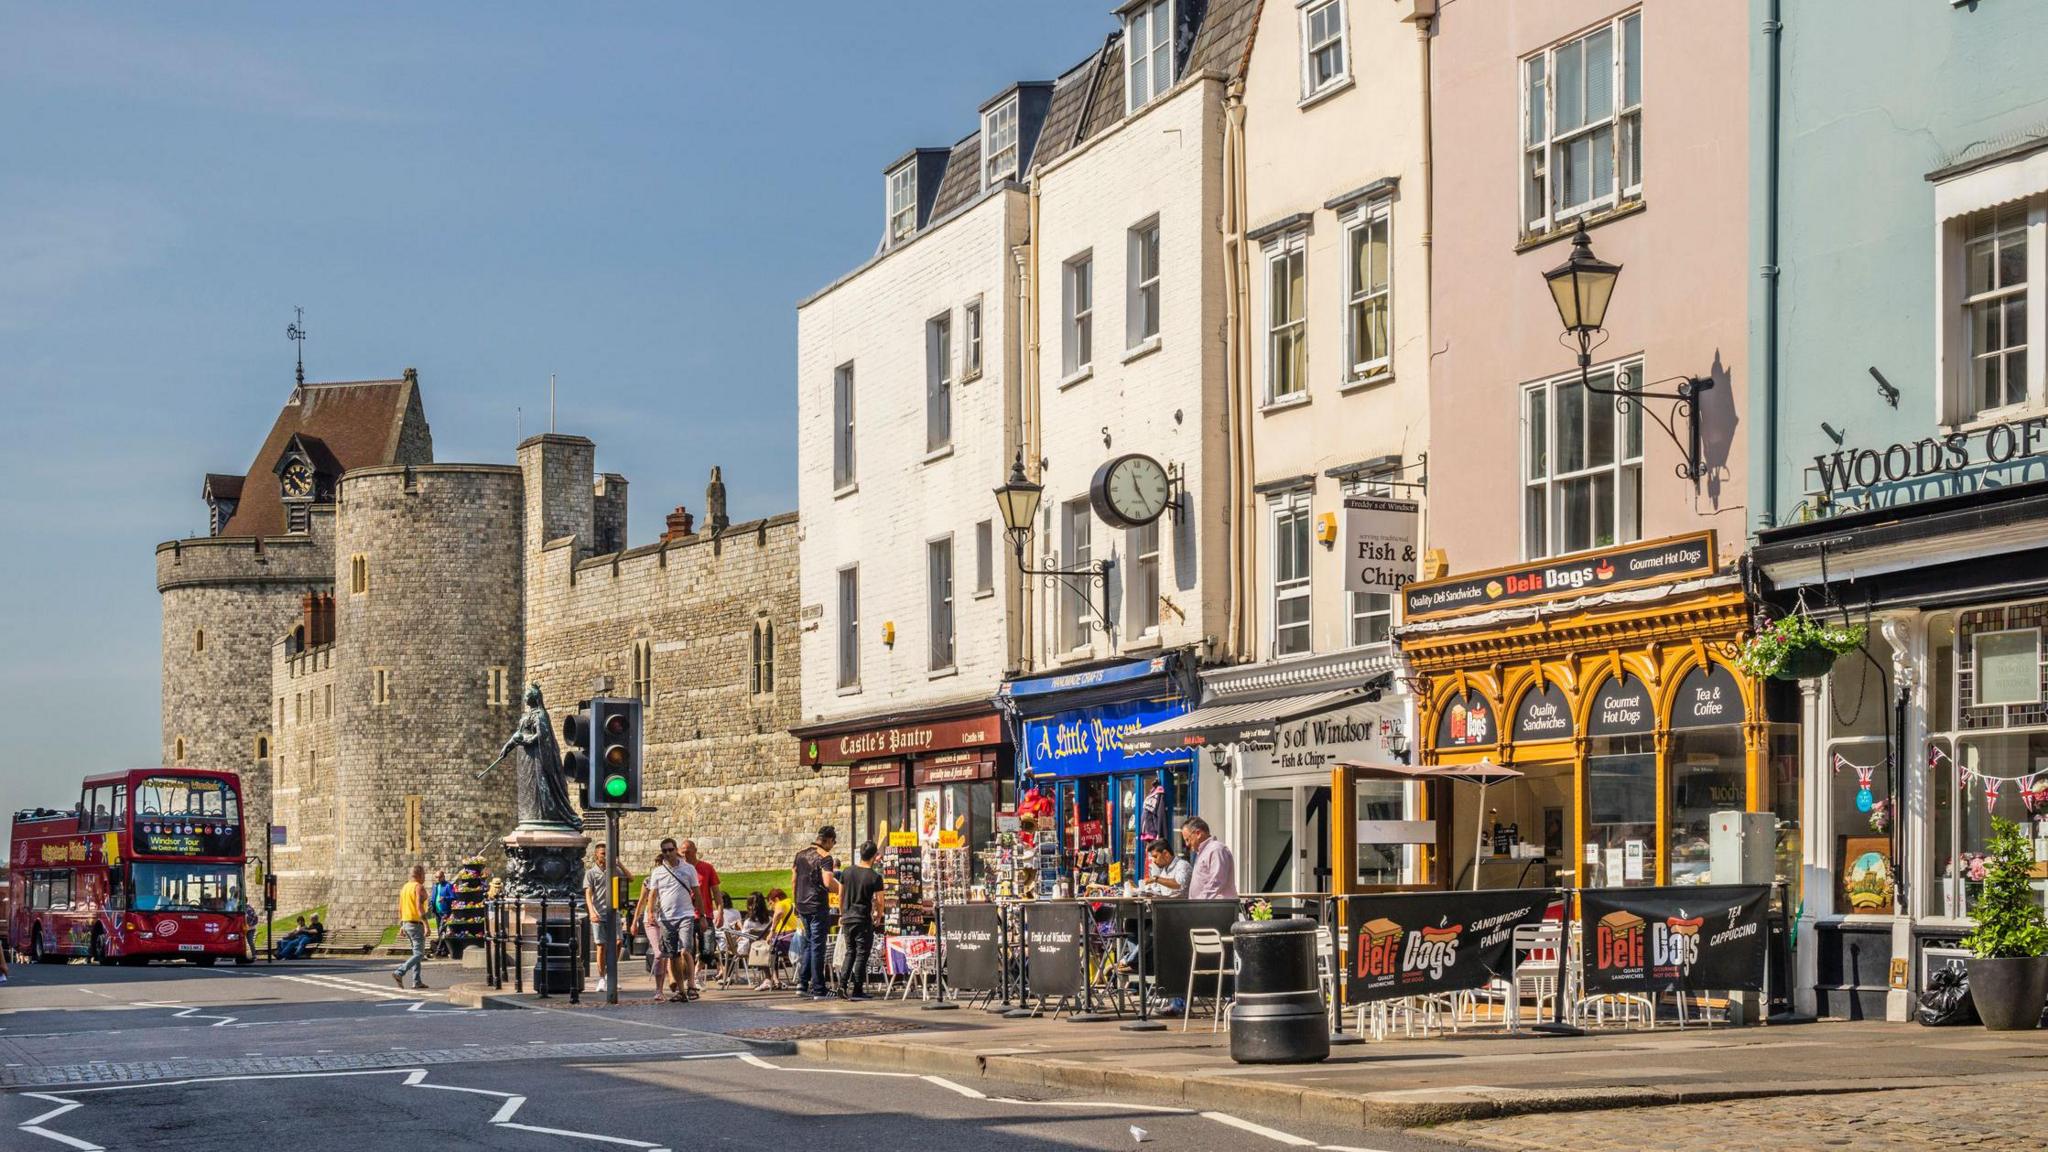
(1419, 944)
(1630, 566)
(1379, 538)
(1466, 721)
(1708, 696)
(1543, 714)
(1622, 708)
(1697, 937)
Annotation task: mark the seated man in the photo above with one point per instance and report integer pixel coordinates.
(316, 933)
(1167, 878)
(292, 944)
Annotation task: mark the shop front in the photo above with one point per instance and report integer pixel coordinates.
(1104, 798)
(938, 777)
(1937, 724)
(1605, 683)
(1273, 732)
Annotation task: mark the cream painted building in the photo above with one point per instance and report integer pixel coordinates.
(909, 409)
(1327, 221)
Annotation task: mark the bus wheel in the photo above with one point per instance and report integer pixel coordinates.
(38, 954)
(98, 952)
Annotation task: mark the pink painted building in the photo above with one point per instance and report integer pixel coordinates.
(1633, 117)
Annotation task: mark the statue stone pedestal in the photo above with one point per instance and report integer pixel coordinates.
(545, 861)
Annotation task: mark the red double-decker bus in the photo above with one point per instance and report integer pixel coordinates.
(147, 866)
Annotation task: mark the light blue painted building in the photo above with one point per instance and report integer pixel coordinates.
(1900, 440)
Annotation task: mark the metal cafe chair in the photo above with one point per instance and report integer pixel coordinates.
(1538, 952)
(1207, 945)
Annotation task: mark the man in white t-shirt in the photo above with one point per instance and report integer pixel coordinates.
(673, 888)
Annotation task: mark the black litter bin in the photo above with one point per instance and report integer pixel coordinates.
(1278, 1016)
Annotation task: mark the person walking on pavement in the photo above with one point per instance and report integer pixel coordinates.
(707, 909)
(444, 901)
(412, 924)
(673, 888)
(597, 901)
(812, 878)
(1214, 875)
(860, 906)
(647, 922)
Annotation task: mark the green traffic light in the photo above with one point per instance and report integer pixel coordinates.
(615, 786)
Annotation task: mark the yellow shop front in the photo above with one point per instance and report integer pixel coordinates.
(1606, 683)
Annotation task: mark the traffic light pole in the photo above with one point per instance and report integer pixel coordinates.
(612, 936)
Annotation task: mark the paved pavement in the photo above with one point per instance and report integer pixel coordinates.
(2006, 1118)
(330, 1056)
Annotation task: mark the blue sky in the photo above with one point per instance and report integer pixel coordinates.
(633, 197)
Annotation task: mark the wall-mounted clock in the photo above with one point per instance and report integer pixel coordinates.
(1131, 491)
(298, 480)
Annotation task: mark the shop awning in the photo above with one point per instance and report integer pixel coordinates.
(1241, 722)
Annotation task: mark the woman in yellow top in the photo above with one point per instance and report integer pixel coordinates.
(782, 926)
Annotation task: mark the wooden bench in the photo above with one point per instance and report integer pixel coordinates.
(348, 942)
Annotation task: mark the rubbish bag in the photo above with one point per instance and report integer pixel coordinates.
(1947, 999)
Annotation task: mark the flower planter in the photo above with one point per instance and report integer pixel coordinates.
(1807, 663)
(2010, 993)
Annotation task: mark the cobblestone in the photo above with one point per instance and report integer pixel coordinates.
(103, 1072)
(1984, 1118)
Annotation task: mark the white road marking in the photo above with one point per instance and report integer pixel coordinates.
(757, 1062)
(1243, 1125)
(1161, 1109)
(339, 984)
(187, 1011)
(583, 1136)
(34, 1124)
(962, 1089)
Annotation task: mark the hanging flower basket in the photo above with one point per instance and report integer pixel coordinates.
(1798, 647)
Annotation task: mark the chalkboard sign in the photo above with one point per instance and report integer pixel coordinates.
(1055, 942)
(1706, 697)
(1622, 707)
(1543, 714)
(968, 952)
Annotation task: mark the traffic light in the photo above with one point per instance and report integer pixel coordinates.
(576, 743)
(609, 734)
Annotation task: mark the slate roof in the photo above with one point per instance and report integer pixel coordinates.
(1069, 99)
(1224, 42)
(222, 486)
(962, 181)
(358, 424)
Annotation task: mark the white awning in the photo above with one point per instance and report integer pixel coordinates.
(1252, 722)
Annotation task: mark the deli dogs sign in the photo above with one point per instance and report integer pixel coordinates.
(1656, 939)
(1633, 566)
(1415, 944)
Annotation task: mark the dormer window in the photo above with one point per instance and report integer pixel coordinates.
(903, 201)
(1148, 53)
(999, 143)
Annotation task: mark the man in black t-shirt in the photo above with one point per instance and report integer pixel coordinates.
(812, 877)
(860, 905)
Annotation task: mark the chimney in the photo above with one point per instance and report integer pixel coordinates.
(680, 524)
(714, 503)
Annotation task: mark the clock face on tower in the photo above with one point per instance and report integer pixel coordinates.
(1130, 491)
(298, 480)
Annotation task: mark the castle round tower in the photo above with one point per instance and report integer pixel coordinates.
(225, 600)
(428, 665)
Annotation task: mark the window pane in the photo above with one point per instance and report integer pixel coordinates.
(1574, 514)
(1632, 60)
(1538, 110)
(1600, 420)
(1631, 503)
(1601, 144)
(1632, 150)
(1603, 509)
(1576, 158)
(1600, 75)
(2012, 260)
(1571, 428)
(1571, 86)
(1539, 433)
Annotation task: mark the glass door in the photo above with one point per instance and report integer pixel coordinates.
(1272, 841)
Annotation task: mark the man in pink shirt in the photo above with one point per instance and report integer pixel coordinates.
(1215, 872)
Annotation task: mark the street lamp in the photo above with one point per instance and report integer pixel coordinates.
(1397, 743)
(1582, 287)
(1018, 499)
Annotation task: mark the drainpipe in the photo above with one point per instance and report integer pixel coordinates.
(1237, 376)
(1424, 18)
(1774, 37)
(1029, 419)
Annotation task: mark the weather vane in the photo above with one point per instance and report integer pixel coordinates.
(296, 333)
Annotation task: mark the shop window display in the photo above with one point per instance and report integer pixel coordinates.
(1621, 811)
(1707, 773)
(1977, 757)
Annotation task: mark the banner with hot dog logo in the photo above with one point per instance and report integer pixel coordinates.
(1419, 943)
(1657, 939)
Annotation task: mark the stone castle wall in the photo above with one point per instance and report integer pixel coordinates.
(302, 776)
(225, 601)
(720, 764)
(441, 612)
